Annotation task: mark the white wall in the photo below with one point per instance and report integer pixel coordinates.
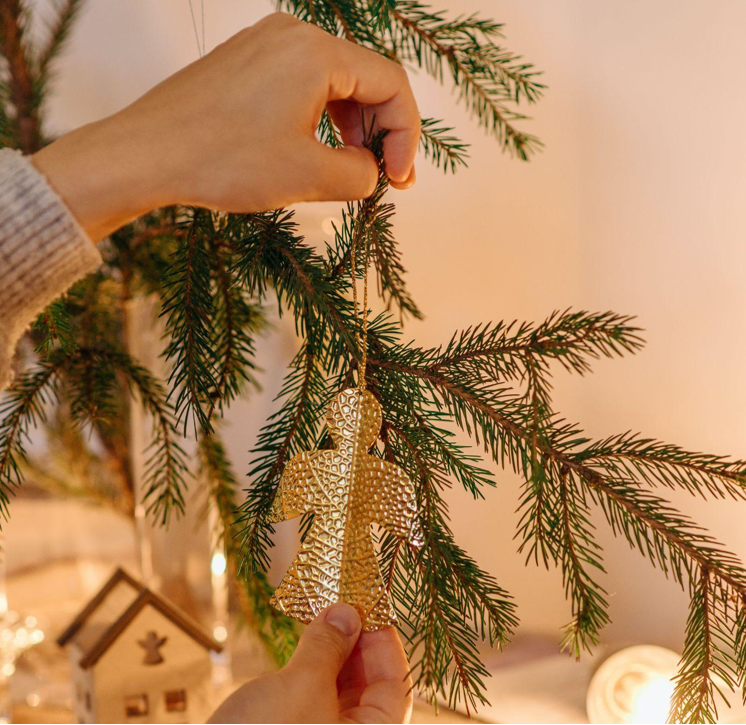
(636, 205)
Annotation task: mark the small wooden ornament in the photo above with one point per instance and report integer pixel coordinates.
(347, 490)
(136, 658)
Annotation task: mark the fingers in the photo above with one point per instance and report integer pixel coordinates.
(325, 646)
(342, 174)
(351, 681)
(387, 695)
(348, 119)
(369, 79)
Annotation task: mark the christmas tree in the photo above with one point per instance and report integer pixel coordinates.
(213, 274)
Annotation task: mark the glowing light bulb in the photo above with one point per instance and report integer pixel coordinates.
(220, 633)
(7, 669)
(653, 701)
(634, 685)
(219, 564)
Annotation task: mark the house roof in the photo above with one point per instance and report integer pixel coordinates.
(108, 614)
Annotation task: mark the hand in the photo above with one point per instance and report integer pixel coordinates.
(234, 131)
(336, 675)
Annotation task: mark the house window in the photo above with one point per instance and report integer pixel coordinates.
(176, 700)
(136, 705)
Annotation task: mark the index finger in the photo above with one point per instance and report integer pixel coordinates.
(370, 79)
(387, 696)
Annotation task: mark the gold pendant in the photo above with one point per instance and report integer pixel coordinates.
(347, 490)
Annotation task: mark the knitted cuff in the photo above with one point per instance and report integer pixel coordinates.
(43, 250)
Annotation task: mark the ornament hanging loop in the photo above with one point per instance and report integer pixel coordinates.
(362, 335)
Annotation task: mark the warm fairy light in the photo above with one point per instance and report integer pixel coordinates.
(220, 633)
(653, 701)
(219, 564)
(634, 685)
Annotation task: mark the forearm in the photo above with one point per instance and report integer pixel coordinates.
(222, 133)
(108, 172)
(43, 250)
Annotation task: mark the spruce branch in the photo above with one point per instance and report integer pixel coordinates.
(708, 662)
(88, 374)
(292, 429)
(273, 255)
(55, 326)
(277, 632)
(578, 551)
(493, 381)
(487, 77)
(70, 467)
(557, 455)
(369, 226)
(66, 13)
(188, 309)
(7, 136)
(21, 81)
(661, 464)
(574, 339)
(346, 19)
(443, 149)
(164, 475)
(237, 320)
(22, 408)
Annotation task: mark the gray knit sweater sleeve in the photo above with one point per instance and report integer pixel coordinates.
(43, 250)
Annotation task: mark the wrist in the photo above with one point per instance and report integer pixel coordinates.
(105, 175)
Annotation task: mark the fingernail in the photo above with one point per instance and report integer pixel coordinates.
(343, 617)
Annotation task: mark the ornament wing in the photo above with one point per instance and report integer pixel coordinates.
(295, 490)
(394, 502)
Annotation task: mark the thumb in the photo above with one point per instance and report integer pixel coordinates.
(344, 174)
(326, 644)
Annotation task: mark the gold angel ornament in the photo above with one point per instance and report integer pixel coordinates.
(347, 490)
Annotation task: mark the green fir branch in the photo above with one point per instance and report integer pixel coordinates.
(291, 430)
(490, 80)
(23, 407)
(66, 13)
(164, 475)
(708, 662)
(236, 322)
(439, 146)
(188, 308)
(56, 329)
(278, 633)
(214, 273)
(578, 551)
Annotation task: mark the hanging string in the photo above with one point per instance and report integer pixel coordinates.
(362, 336)
(200, 48)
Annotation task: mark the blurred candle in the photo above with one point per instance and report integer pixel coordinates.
(634, 685)
(221, 673)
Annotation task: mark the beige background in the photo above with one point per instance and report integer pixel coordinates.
(636, 205)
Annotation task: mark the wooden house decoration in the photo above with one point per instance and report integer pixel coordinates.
(137, 659)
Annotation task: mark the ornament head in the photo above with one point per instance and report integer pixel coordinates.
(354, 415)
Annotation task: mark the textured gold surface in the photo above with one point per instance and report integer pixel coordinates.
(347, 490)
